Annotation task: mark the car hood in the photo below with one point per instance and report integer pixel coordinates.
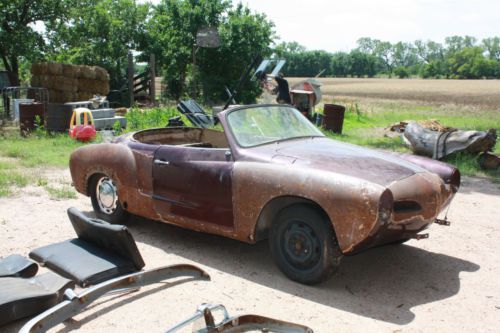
(343, 158)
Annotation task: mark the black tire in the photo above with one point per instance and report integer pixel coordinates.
(303, 244)
(399, 241)
(114, 213)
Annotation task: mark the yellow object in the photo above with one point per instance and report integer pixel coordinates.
(81, 116)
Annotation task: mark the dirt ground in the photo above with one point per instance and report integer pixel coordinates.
(447, 283)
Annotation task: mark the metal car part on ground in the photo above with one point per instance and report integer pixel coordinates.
(344, 198)
(102, 255)
(438, 145)
(74, 303)
(204, 321)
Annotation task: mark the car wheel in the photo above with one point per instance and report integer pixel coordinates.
(399, 241)
(105, 202)
(303, 245)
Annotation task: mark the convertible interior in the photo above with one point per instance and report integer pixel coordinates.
(186, 137)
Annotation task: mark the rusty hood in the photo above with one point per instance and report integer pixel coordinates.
(343, 158)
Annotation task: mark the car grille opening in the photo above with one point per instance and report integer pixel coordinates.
(406, 206)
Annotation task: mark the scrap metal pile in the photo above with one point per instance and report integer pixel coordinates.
(103, 259)
(432, 139)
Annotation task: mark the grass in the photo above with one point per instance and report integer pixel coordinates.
(372, 105)
(39, 150)
(365, 122)
(10, 177)
(24, 154)
(138, 119)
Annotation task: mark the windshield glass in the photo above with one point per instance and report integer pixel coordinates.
(268, 123)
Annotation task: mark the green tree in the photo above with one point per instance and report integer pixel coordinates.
(470, 63)
(244, 36)
(492, 46)
(382, 51)
(457, 43)
(99, 32)
(285, 48)
(340, 64)
(362, 64)
(402, 72)
(172, 35)
(19, 41)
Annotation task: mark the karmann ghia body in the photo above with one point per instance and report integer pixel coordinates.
(269, 174)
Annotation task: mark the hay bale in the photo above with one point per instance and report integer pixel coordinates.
(70, 71)
(84, 96)
(55, 68)
(37, 69)
(35, 82)
(101, 74)
(87, 72)
(43, 81)
(93, 86)
(85, 85)
(66, 84)
(58, 96)
(104, 88)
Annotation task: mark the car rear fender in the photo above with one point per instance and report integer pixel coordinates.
(352, 205)
(115, 160)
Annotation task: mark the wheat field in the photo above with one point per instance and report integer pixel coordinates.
(474, 94)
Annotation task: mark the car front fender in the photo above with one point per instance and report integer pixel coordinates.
(351, 204)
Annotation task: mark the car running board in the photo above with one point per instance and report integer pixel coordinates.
(239, 324)
(76, 303)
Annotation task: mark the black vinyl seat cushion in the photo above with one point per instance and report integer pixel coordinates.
(21, 298)
(101, 252)
(195, 113)
(82, 261)
(17, 265)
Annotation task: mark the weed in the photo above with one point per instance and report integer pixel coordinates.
(64, 192)
(117, 128)
(138, 119)
(41, 182)
(9, 179)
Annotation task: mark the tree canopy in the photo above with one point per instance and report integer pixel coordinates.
(102, 32)
(19, 40)
(460, 57)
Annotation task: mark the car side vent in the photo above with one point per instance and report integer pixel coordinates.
(406, 206)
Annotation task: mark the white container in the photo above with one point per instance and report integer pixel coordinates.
(16, 106)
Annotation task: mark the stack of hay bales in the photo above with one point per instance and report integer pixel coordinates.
(70, 83)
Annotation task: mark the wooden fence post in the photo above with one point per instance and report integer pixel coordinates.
(152, 84)
(130, 76)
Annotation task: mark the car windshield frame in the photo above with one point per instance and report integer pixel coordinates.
(301, 119)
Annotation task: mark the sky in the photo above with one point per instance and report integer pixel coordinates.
(334, 25)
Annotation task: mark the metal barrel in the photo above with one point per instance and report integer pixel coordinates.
(28, 113)
(333, 117)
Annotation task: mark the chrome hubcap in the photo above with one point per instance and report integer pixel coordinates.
(107, 197)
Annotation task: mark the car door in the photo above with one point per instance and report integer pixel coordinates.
(193, 185)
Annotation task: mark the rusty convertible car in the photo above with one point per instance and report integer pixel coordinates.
(269, 174)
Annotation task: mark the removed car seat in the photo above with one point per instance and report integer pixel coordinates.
(16, 265)
(21, 298)
(101, 252)
(195, 114)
